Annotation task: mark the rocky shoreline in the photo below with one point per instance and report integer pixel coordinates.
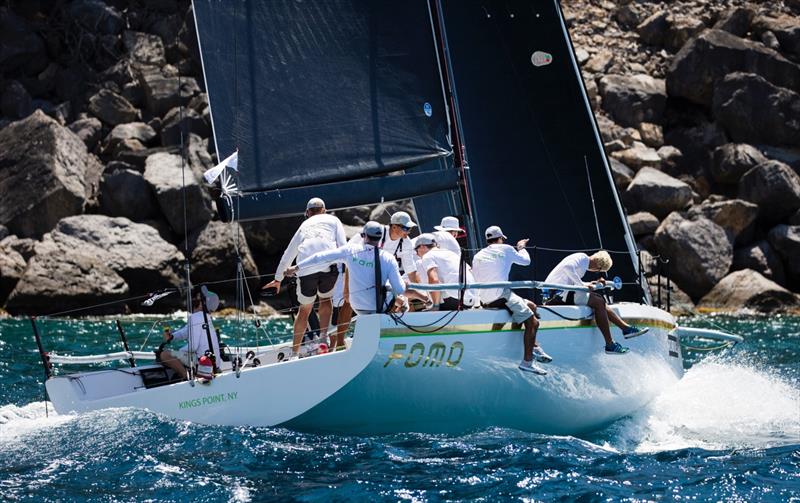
(697, 102)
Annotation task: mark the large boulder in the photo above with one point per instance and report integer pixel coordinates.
(733, 160)
(164, 91)
(642, 223)
(633, 99)
(699, 250)
(112, 108)
(697, 144)
(270, 237)
(785, 28)
(193, 123)
(96, 16)
(760, 257)
(708, 58)
(213, 251)
(622, 174)
(125, 193)
(46, 174)
(125, 137)
(774, 187)
(24, 246)
(786, 241)
(144, 47)
(134, 251)
(87, 129)
(59, 279)
(748, 289)
(753, 110)
(657, 193)
(638, 156)
(669, 30)
(736, 21)
(735, 216)
(166, 176)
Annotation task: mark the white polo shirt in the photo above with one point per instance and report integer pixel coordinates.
(317, 233)
(493, 263)
(569, 271)
(447, 266)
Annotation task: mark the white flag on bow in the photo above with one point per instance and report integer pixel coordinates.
(231, 161)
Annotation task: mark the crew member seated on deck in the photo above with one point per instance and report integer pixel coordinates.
(446, 234)
(570, 271)
(195, 335)
(443, 266)
(493, 264)
(360, 260)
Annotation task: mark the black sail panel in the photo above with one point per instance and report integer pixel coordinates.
(530, 135)
(321, 90)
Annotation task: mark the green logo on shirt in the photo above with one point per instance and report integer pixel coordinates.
(362, 262)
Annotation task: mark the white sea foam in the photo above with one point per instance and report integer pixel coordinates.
(16, 422)
(717, 405)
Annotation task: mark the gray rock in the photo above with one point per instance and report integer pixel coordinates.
(60, 279)
(19, 45)
(788, 156)
(732, 161)
(384, 211)
(88, 130)
(671, 158)
(270, 237)
(748, 289)
(785, 239)
(785, 28)
(24, 246)
(600, 62)
(164, 92)
(138, 158)
(582, 55)
(770, 40)
(669, 30)
(736, 21)
(700, 252)
(192, 121)
(652, 134)
(15, 102)
(609, 130)
(125, 193)
(707, 59)
(736, 216)
(642, 223)
(657, 193)
(118, 139)
(213, 253)
(356, 216)
(96, 16)
(164, 174)
(774, 187)
(198, 155)
(44, 184)
(633, 99)
(134, 251)
(760, 257)
(12, 266)
(638, 156)
(753, 110)
(697, 144)
(623, 175)
(144, 47)
(112, 108)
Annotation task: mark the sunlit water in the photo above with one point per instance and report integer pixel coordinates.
(728, 431)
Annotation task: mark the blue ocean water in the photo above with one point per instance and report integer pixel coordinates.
(728, 431)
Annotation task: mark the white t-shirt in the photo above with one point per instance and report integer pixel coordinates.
(493, 263)
(318, 233)
(569, 271)
(447, 266)
(360, 261)
(401, 249)
(197, 339)
(446, 241)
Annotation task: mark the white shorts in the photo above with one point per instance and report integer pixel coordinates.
(184, 357)
(518, 306)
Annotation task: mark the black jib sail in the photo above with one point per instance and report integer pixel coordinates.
(322, 92)
(530, 135)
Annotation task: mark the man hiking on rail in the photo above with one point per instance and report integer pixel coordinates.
(362, 259)
(570, 271)
(320, 232)
(492, 264)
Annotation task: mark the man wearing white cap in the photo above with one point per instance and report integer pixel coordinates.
(492, 264)
(320, 232)
(446, 234)
(395, 240)
(443, 266)
(198, 333)
(361, 262)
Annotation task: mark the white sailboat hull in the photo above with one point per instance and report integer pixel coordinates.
(466, 376)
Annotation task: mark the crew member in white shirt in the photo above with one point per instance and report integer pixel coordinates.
(320, 232)
(446, 234)
(395, 240)
(195, 335)
(492, 264)
(360, 261)
(443, 266)
(570, 271)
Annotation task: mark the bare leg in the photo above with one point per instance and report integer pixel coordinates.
(300, 326)
(529, 340)
(173, 363)
(615, 319)
(345, 314)
(324, 312)
(534, 320)
(598, 304)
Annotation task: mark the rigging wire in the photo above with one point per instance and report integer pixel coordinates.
(594, 206)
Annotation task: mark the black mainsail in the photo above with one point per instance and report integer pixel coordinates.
(326, 94)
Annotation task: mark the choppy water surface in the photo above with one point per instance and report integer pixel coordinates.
(729, 431)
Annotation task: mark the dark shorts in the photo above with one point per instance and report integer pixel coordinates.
(449, 304)
(318, 284)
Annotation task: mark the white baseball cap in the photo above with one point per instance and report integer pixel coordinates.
(426, 239)
(403, 219)
(373, 229)
(315, 202)
(448, 224)
(494, 232)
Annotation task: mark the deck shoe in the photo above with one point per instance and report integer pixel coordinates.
(540, 355)
(631, 332)
(526, 366)
(616, 348)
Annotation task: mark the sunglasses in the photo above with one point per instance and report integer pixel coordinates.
(405, 229)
